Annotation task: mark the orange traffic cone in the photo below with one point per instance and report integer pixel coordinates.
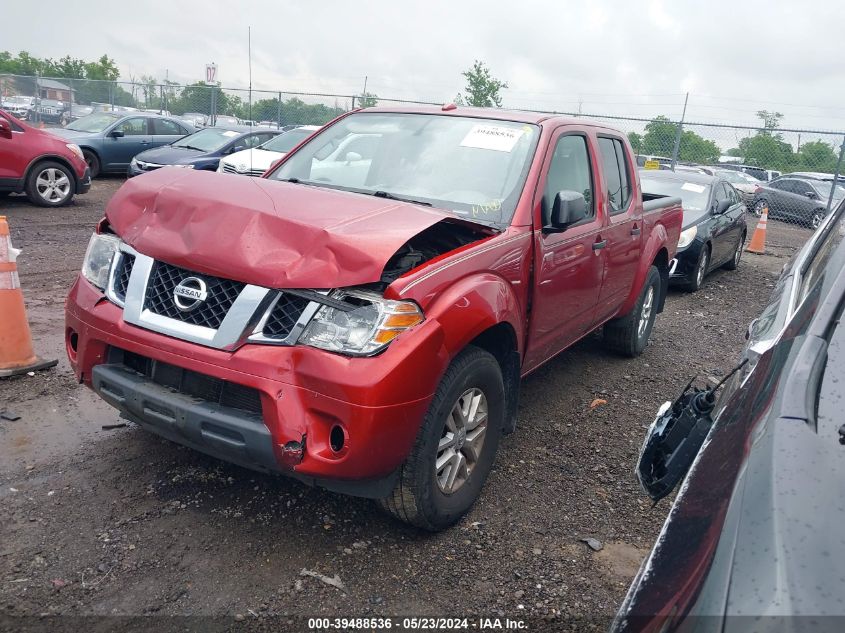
(16, 353)
(758, 240)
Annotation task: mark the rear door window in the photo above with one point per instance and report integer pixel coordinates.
(617, 176)
(166, 127)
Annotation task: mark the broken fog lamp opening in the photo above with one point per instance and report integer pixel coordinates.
(368, 327)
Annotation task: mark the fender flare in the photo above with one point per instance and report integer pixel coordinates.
(473, 305)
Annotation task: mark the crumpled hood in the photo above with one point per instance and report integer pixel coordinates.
(263, 232)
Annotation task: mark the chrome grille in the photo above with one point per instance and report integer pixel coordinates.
(210, 313)
(283, 317)
(230, 169)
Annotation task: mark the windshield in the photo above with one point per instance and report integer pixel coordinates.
(472, 167)
(823, 187)
(287, 141)
(208, 140)
(693, 195)
(94, 122)
(19, 100)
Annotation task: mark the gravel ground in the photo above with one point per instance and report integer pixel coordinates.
(118, 522)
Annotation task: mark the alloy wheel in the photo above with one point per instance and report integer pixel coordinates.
(52, 185)
(645, 313)
(461, 441)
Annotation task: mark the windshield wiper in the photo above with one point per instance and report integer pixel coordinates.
(390, 196)
(199, 149)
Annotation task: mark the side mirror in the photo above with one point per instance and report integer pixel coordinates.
(5, 128)
(116, 134)
(568, 208)
(237, 148)
(352, 157)
(811, 195)
(721, 207)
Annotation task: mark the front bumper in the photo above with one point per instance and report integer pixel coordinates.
(682, 268)
(84, 184)
(377, 402)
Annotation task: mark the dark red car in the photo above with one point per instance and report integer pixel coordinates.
(361, 319)
(48, 169)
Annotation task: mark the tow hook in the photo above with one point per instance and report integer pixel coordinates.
(675, 437)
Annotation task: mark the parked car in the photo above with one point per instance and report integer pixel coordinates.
(664, 161)
(758, 172)
(224, 120)
(201, 150)
(713, 231)
(364, 329)
(76, 112)
(753, 541)
(256, 160)
(197, 119)
(745, 184)
(799, 200)
(816, 175)
(110, 140)
(48, 169)
(47, 111)
(18, 106)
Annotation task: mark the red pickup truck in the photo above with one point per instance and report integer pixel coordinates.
(361, 316)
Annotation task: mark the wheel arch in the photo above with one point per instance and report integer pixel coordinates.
(44, 158)
(500, 341)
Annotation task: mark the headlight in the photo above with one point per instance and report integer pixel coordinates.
(365, 329)
(133, 162)
(98, 259)
(687, 237)
(181, 166)
(76, 150)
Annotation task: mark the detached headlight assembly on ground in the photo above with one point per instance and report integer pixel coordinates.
(98, 259)
(687, 237)
(371, 324)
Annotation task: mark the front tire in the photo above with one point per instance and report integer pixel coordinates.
(455, 446)
(759, 206)
(50, 184)
(733, 264)
(629, 335)
(700, 270)
(817, 219)
(93, 162)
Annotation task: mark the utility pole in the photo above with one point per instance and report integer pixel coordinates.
(678, 134)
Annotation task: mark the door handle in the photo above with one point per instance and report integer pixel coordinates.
(145, 142)
(599, 244)
(636, 230)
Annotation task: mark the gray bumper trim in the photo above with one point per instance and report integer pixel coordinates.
(228, 434)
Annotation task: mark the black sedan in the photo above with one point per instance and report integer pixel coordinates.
(714, 227)
(754, 540)
(200, 150)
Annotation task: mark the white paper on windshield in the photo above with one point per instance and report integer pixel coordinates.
(230, 133)
(691, 186)
(495, 137)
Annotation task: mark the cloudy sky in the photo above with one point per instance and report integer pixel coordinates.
(607, 57)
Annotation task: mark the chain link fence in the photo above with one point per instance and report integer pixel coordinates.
(793, 173)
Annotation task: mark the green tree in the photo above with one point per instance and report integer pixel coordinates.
(765, 150)
(366, 100)
(817, 156)
(771, 120)
(696, 149)
(636, 141)
(659, 138)
(482, 89)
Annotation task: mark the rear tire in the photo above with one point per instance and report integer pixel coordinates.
(50, 184)
(423, 496)
(759, 206)
(93, 162)
(629, 335)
